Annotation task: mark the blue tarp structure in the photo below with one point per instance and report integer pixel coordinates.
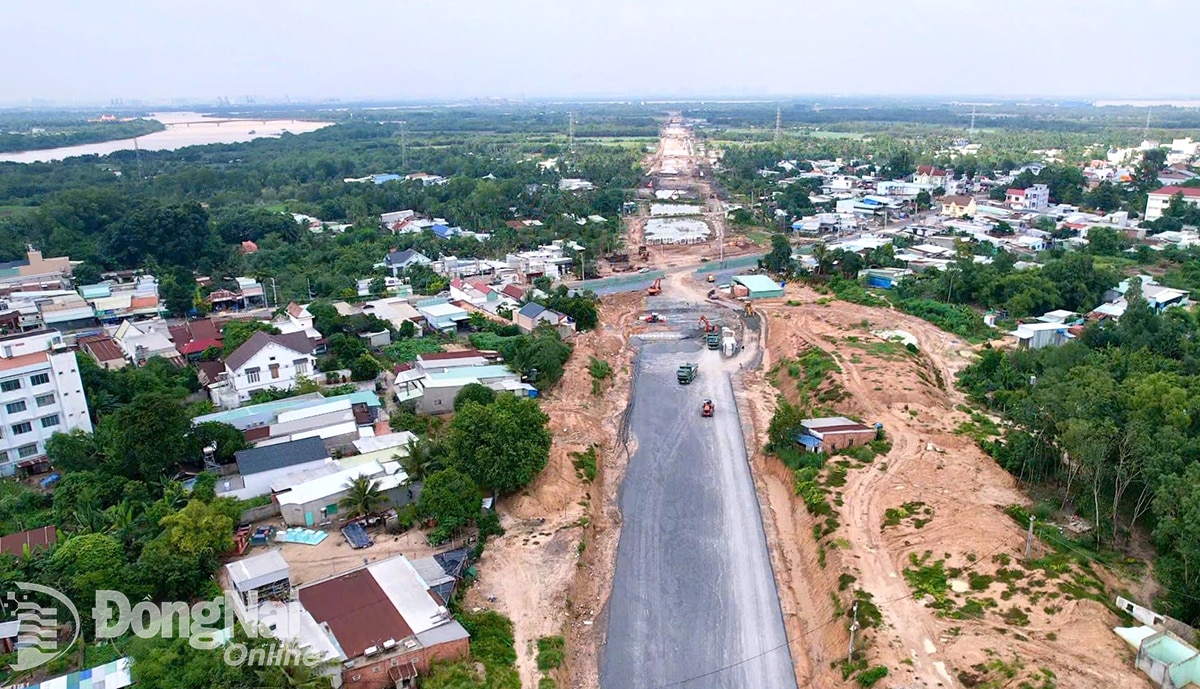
(357, 536)
(809, 442)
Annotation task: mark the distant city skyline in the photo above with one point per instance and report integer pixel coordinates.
(63, 53)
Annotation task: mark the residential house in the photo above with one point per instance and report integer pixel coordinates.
(259, 467)
(265, 361)
(297, 319)
(62, 311)
(958, 206)
(192, 338)
(426, 179)
(932, 176)
(249, 247)
(573, 184)
(260, 577)
(104, 351)
(442, 316)
(41, 393)
(385, 621)
(146, 340)
(1158, 200)
(1170, 177)
(338, 420)
(250, 293)
(315, 502)
(433, 380)
(1036, 197)
(394, 310)
(113, 302)
(1039, 335)
(399, 261)
(475, 292)
(832, 433)
(396, 219)
(531, 315)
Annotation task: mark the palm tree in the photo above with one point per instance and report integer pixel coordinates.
(820, 255)
(424, 458)
(300, 675)
(363, 498)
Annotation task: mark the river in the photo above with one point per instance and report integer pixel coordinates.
(183, 129)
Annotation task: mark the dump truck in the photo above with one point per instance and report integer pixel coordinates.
(711, 278)
(712, 340)
(687, 373)
(706, 408)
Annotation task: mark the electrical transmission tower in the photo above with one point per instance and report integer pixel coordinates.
(971, 133)
(778, 123)
(571, 133)
(1146, 131)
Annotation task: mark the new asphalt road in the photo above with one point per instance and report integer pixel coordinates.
(694, 604)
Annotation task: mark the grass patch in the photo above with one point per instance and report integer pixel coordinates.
(927, 579)
(550, 653)
(585, 463)
(408, 350)
(868, 678)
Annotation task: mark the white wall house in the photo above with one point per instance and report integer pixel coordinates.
(40, 394)
(1158, 200)
(264, 361)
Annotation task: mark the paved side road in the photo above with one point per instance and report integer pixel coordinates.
(694, 603)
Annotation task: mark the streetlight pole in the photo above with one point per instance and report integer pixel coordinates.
(274, 292)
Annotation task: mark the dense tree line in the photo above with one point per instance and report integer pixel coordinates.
(35, 134)
(1109, 422)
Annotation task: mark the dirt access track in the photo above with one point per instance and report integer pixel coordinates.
(957, 492)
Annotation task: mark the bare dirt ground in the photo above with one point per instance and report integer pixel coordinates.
(551, 537)
(964, 492)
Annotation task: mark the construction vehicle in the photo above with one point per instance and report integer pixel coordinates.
(710, 278)
(653, 318)
(656, 288)
(749, 309)
(706, 408)
(713, 340)
(707, 325)
(643, 253)
(712, 294)
(687, 373)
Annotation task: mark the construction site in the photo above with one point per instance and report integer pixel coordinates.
(689, 560)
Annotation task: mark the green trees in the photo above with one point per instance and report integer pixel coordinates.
(1109, 426)
(237, 332)
(474, 392)
(145, 438)
(580, 306)
(541, 355)
(201, 529)
(363, 498)
(501, 446)
(924, 201)
(450, 498)
(779, 260)
(365, 367)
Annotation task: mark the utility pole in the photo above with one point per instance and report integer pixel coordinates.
(1146, 131)
(403, 148)
(274, 292)
(778, 123)
(853, 628)
(971, 134)
(1029, 538)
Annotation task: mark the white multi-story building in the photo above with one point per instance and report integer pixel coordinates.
(1035, 198)
(41, 394)
(1158, 200)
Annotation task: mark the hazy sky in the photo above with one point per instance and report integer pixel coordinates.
(443, 49)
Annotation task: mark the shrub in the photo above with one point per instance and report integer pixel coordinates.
(550, 652)
(868, 678)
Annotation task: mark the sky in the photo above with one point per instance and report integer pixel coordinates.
(92, 52)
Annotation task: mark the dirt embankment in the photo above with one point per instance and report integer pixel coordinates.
(534, 572)
(956, 495)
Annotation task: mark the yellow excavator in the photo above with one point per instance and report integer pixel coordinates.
(749, 309)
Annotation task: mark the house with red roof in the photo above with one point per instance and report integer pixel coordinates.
(932, 175)
(191, 338)
(1159, 199)
(475, 292)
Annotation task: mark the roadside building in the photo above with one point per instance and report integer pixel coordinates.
(1035, 198)
(35, 272)
(756, 287)
(833, 433)
(41, 393)
(1168, 660)
(192, 338)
